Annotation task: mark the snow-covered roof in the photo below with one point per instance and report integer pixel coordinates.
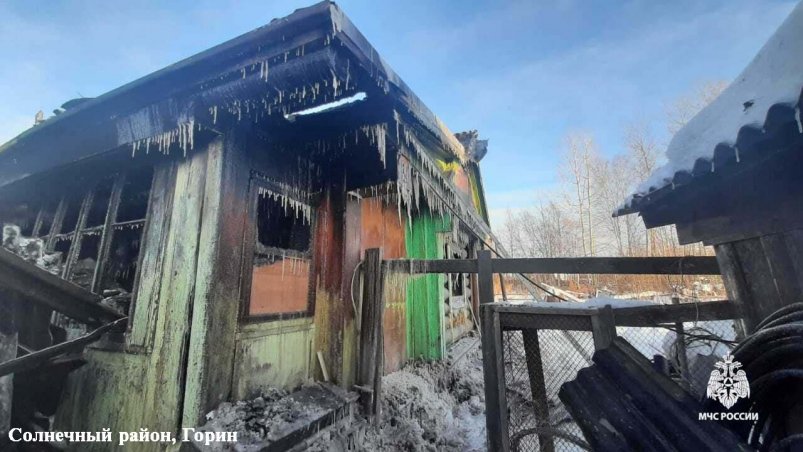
(773, 79)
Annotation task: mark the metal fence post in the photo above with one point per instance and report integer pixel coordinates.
(493, 367)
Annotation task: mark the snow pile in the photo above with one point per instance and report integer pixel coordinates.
(598, 302)
(30, 249)
(432, 406)
(775, 76)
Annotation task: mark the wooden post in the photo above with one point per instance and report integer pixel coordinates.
(603, 327)
(485, 277)
(502, 286)
(535, 371)
(371, 353)
(680, 340)
(493, 369)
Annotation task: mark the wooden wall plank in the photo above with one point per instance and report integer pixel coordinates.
(778, 250)
(328, 274)
(371, 353)
(218, 277)
(352, 247)
(382, 227)
(736, 286)
(163, 398)
(142, 319)
(758, 276)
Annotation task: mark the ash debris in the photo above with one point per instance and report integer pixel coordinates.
(262, 420)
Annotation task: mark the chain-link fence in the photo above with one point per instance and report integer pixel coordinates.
(544, 347)
(530, 422)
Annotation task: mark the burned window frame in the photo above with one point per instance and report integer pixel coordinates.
(257, 183)
(106, 229)
(85, 193)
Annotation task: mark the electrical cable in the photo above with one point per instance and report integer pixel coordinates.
(772, 358)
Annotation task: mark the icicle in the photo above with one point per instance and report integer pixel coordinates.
(335, 83)
(797, 117)
(348, 75)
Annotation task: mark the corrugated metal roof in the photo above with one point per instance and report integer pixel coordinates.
(753, 144)
(758, 112)
(622, 403)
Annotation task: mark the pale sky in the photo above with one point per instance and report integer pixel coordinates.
(521, 72)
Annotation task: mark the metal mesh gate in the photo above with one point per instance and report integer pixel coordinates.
(531, 350)
(563, 353)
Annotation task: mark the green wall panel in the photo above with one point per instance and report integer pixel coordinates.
(424, 337)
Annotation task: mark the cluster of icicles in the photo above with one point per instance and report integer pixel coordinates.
(298, 265)
(284, 101)
(183, 135)
(300, 210)
(412, 184)
(129, 226)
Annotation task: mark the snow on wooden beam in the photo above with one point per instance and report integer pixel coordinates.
(33, 284)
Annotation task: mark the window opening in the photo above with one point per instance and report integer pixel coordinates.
(280, 282)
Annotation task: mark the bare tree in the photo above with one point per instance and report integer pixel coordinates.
(579, 157)
(679, 112)
(577, 220)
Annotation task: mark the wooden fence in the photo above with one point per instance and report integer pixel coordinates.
(498, 317)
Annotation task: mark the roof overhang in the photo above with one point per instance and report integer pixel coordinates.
(759, 113)
(312, 57)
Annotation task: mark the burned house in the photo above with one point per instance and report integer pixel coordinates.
(223, 204)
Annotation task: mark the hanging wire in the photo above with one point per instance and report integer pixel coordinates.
(482, 240)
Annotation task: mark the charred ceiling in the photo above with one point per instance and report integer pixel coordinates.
(313, 57)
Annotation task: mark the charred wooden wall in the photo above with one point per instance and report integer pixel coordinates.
(330, 306)
(141, 384)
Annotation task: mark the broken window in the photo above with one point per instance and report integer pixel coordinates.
(280, 277)
(92, 236)
(44, 220)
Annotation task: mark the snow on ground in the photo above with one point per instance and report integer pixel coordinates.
(598, 302)
(432, 406)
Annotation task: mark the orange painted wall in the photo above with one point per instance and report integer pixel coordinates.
(280, 287)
